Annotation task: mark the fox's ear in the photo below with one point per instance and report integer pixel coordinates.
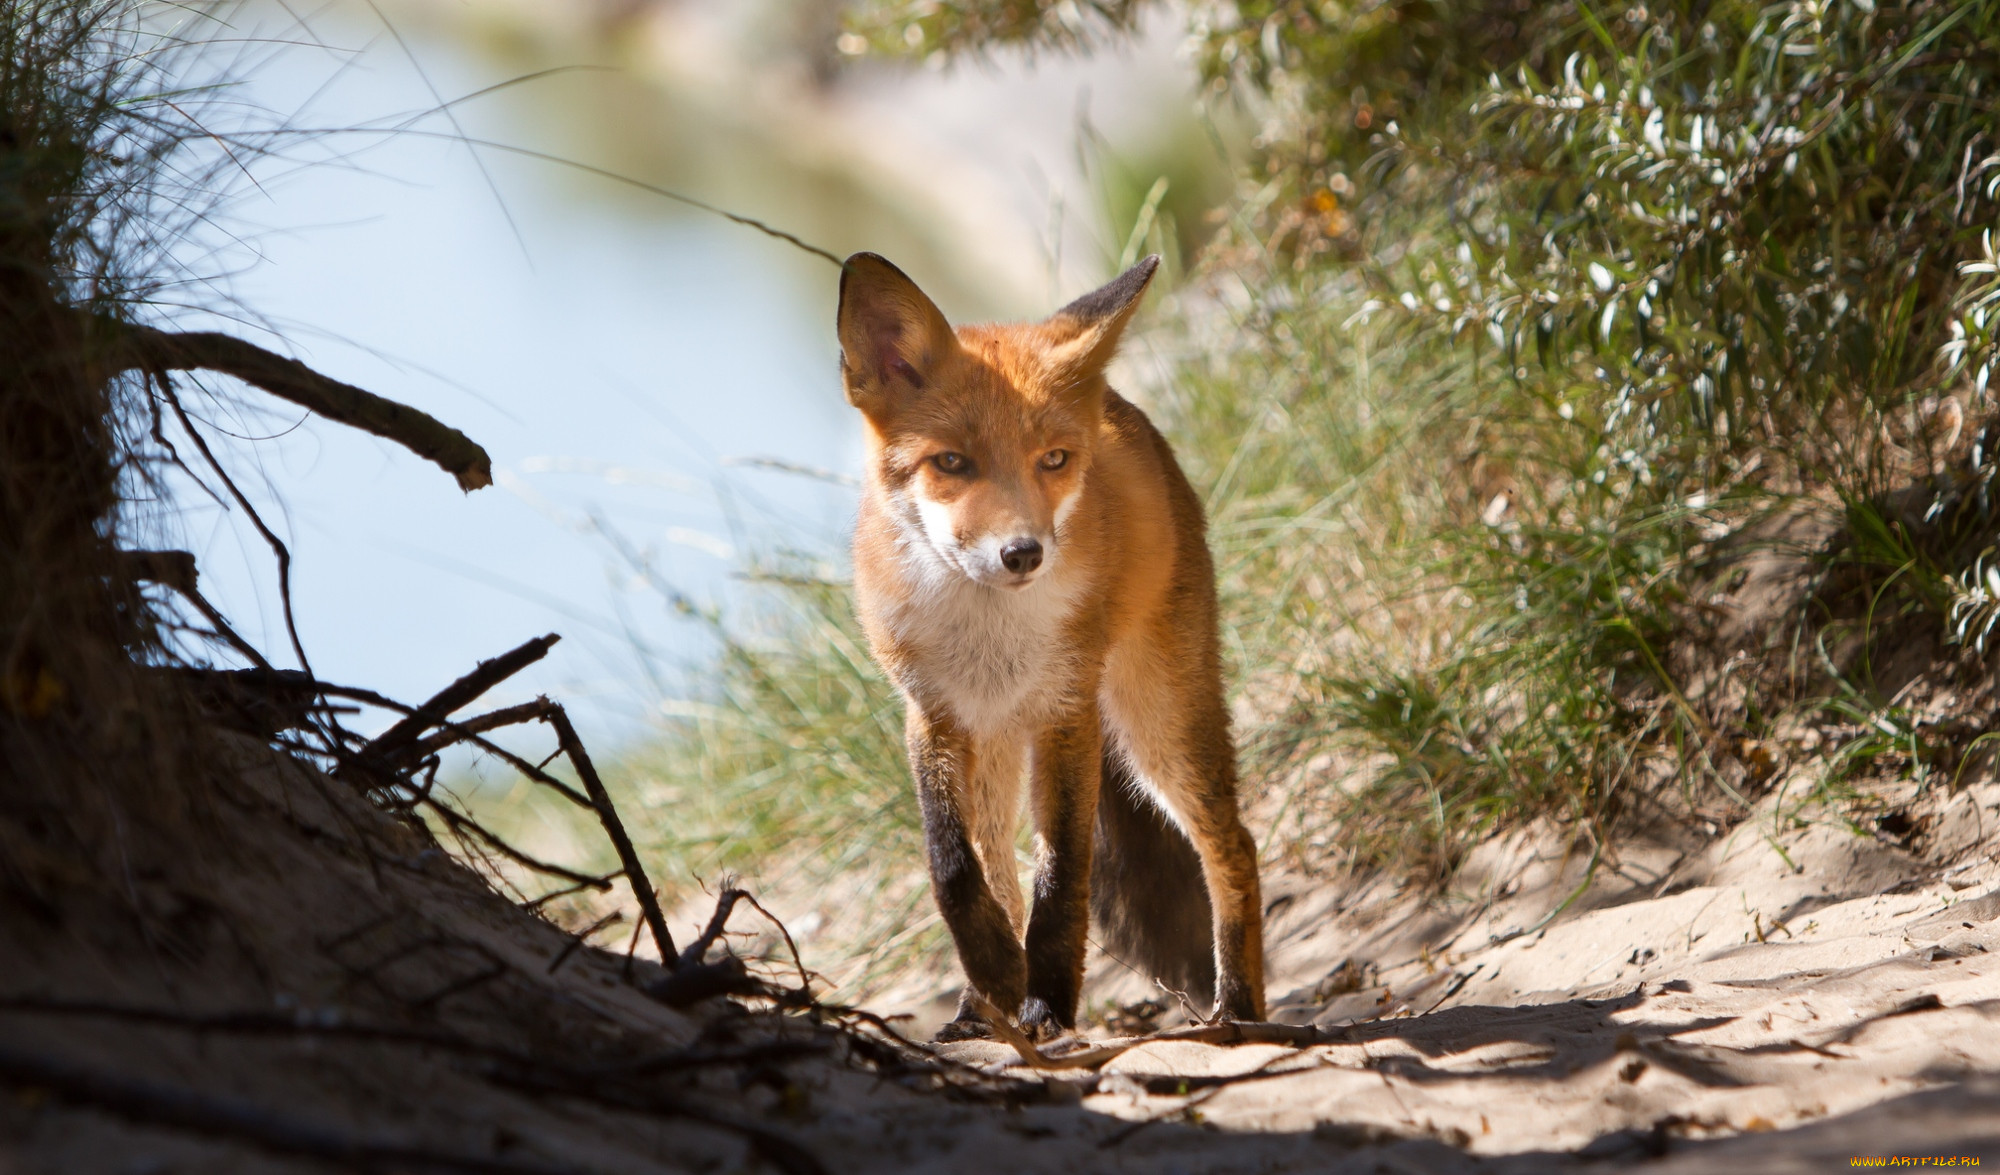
(891, 335)
(1086, 332)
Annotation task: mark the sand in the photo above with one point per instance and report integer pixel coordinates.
(1801, 986)
(1793, 996)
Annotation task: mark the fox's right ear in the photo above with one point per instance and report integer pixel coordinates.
(1085, 333)
(891, 335)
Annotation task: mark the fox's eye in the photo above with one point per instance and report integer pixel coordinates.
(1055, 459)
(951, 463)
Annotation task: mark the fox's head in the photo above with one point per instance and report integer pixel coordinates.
(980, 438)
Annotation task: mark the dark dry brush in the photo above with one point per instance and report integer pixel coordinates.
(96, 173)
(246, 945)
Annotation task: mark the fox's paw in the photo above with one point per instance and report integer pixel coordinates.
(964, 1028)
(1039, 1023)
(1234, 1009)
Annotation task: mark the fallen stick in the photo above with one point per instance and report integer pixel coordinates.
(1003, 1027)
(635, 873)
(421, 433)
(388, 747)
(534, 713)
(1231, 1032)
(460, 822)
(398, 740)
(457, 732)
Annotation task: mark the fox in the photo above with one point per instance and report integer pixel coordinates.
(1032, 572)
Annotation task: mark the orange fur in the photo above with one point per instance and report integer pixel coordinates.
(1031, 570)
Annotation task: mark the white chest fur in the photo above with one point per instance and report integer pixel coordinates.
(997, 658)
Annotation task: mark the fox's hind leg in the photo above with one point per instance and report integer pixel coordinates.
(1229, 864)
(1181, 752)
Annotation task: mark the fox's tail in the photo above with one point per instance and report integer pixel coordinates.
(1147, 894)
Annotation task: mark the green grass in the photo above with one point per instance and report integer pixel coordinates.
(1407, 656)
(1654, 279)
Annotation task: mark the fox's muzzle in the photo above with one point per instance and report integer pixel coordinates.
(1021, 556)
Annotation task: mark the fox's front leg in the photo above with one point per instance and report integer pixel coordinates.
(942, 760)
(1068, 770)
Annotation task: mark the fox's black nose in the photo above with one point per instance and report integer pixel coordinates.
(1021, 556)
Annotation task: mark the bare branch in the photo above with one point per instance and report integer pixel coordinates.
(460, 693)
(453, 733)
(422, 434)
(466, 824)
(492, 748)
(635, 873)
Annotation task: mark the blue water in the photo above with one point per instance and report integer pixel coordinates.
(611, 355)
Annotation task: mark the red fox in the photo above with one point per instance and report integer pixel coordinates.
(1031, 568)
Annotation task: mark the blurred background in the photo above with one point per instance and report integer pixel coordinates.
(464, 212)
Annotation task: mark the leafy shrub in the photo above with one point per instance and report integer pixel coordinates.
(1682, 264)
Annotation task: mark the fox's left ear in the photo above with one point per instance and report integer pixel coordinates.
(892, 337)
(1086, 332)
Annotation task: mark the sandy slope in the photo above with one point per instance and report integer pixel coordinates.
(1739, 1008)
(1797, 983)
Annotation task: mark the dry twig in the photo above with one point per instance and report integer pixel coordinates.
(388, 748)
(279, 551)
(1230, 1032)
(462, 823)
(160, 351)
(635, 873)
(460, 732)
